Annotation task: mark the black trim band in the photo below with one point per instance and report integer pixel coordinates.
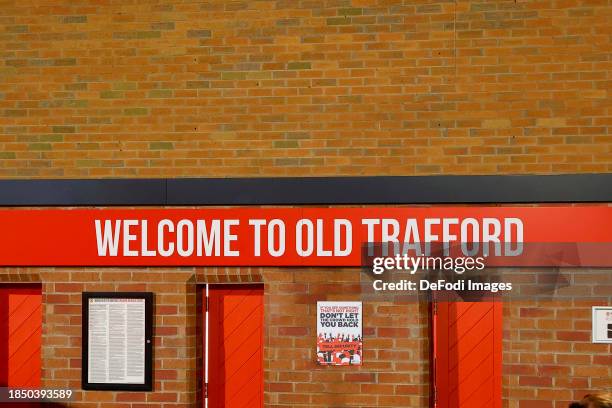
(578, 188)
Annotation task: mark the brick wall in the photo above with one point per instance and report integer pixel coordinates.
(281, 88)
(396, 343)
(175, 341)
(549, 359)
(338, 87)
(395, 371)
(548, 356)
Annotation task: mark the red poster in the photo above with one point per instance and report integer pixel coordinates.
(339, 333)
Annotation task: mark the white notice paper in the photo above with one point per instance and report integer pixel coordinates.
(116, 341)
(602, 324)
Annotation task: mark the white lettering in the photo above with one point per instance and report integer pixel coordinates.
(109, 242)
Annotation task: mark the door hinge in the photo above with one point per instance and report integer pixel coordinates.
(435, 392)
(435, 375)
(205, 390)
(207, 304)
(435, 308)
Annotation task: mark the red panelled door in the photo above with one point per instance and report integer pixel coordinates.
(20, 335)
(235, 346)
(468, 354)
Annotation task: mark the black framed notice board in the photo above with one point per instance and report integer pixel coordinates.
(117, 351)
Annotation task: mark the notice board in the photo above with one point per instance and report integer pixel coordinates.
(117, 341)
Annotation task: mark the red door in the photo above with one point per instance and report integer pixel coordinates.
(467, 354)
(235, 346)
(20, 335)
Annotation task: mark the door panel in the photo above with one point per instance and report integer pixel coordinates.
(235, 346)
(20, 335)
(467, 354)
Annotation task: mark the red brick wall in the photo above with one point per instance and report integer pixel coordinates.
(396, 343)
(395, 370)
(549, 359)
(339, 87)
(175, 341)
(548, 355)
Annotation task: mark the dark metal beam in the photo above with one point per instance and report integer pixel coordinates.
(576, 188)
